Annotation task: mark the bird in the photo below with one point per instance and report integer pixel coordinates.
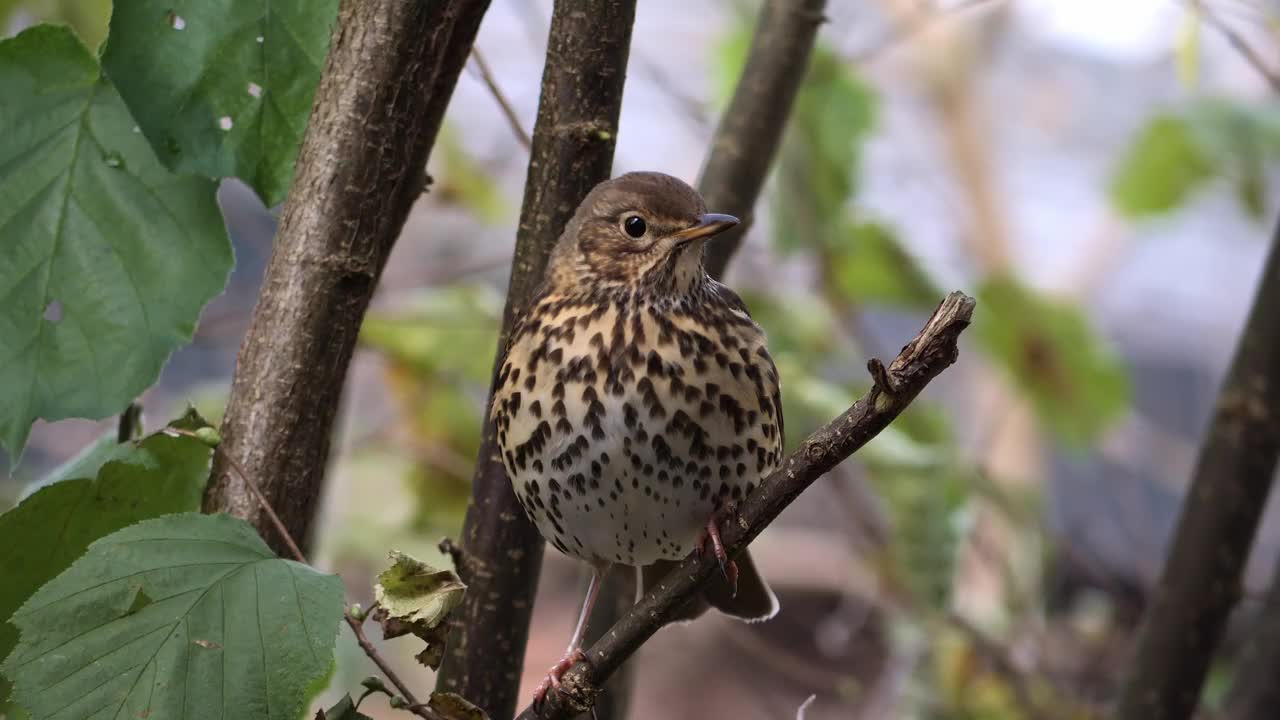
(637, 402)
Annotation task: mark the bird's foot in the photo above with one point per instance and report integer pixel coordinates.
(712, 532)
(557, 671)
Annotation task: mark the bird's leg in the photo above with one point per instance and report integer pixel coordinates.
(712, 532)
(573, 653)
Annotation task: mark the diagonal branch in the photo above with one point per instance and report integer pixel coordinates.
(508, 111)
(895, 386)
(572, 151)
(1203, 574)
(388, 76)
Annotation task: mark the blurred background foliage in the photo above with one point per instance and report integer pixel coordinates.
(933, 522)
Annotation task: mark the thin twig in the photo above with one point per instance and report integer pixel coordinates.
(271, 514)
(415, 707)
(928, 354)
(490, 82)
(1237, 41)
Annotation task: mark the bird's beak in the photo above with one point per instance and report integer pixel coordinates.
(707, 225)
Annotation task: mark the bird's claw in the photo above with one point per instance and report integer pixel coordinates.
(728, 567)
(557, 671)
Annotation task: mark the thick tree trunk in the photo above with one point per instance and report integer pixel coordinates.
(390, 71)
(573, 141)
(1201, 582)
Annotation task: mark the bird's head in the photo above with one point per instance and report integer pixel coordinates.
(641, 232)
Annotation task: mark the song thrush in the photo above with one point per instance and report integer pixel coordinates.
(637, 401)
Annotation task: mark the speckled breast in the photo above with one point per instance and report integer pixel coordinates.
(624, 424)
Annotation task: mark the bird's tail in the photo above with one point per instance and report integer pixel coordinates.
(754, 601)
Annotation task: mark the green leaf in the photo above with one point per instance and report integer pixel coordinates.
(834, 114)
(872, 266)
(110, 488)
(88, 18)
(222, 88)
(1163, 166)
(108, 257)
(414, 597)
(1242, 139)
(228, 630)
(345, 709)
(1076, 384)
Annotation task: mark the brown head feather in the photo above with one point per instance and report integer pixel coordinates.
(642, 231)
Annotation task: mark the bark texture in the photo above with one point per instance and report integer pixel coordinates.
(747, 139)
(928, 354)
(1202, 578)
(573, 141)
(388, 76)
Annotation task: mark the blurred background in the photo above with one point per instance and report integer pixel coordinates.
(1099, 174)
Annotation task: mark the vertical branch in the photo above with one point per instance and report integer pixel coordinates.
(573, 141)
(741, 154)
(388, 76)
(1202, 577)
(747, 139)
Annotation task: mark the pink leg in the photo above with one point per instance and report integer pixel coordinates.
(712, 532)
(574, 652)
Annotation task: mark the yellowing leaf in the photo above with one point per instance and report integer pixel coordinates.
(455, 707)
(414, 597)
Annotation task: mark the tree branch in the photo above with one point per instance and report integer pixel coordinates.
(509, 112)
(927, 355)
(747, 139)
(388, 76)
(573, 141)
(1202, 577)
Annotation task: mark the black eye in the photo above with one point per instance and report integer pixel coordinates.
(634, 226)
